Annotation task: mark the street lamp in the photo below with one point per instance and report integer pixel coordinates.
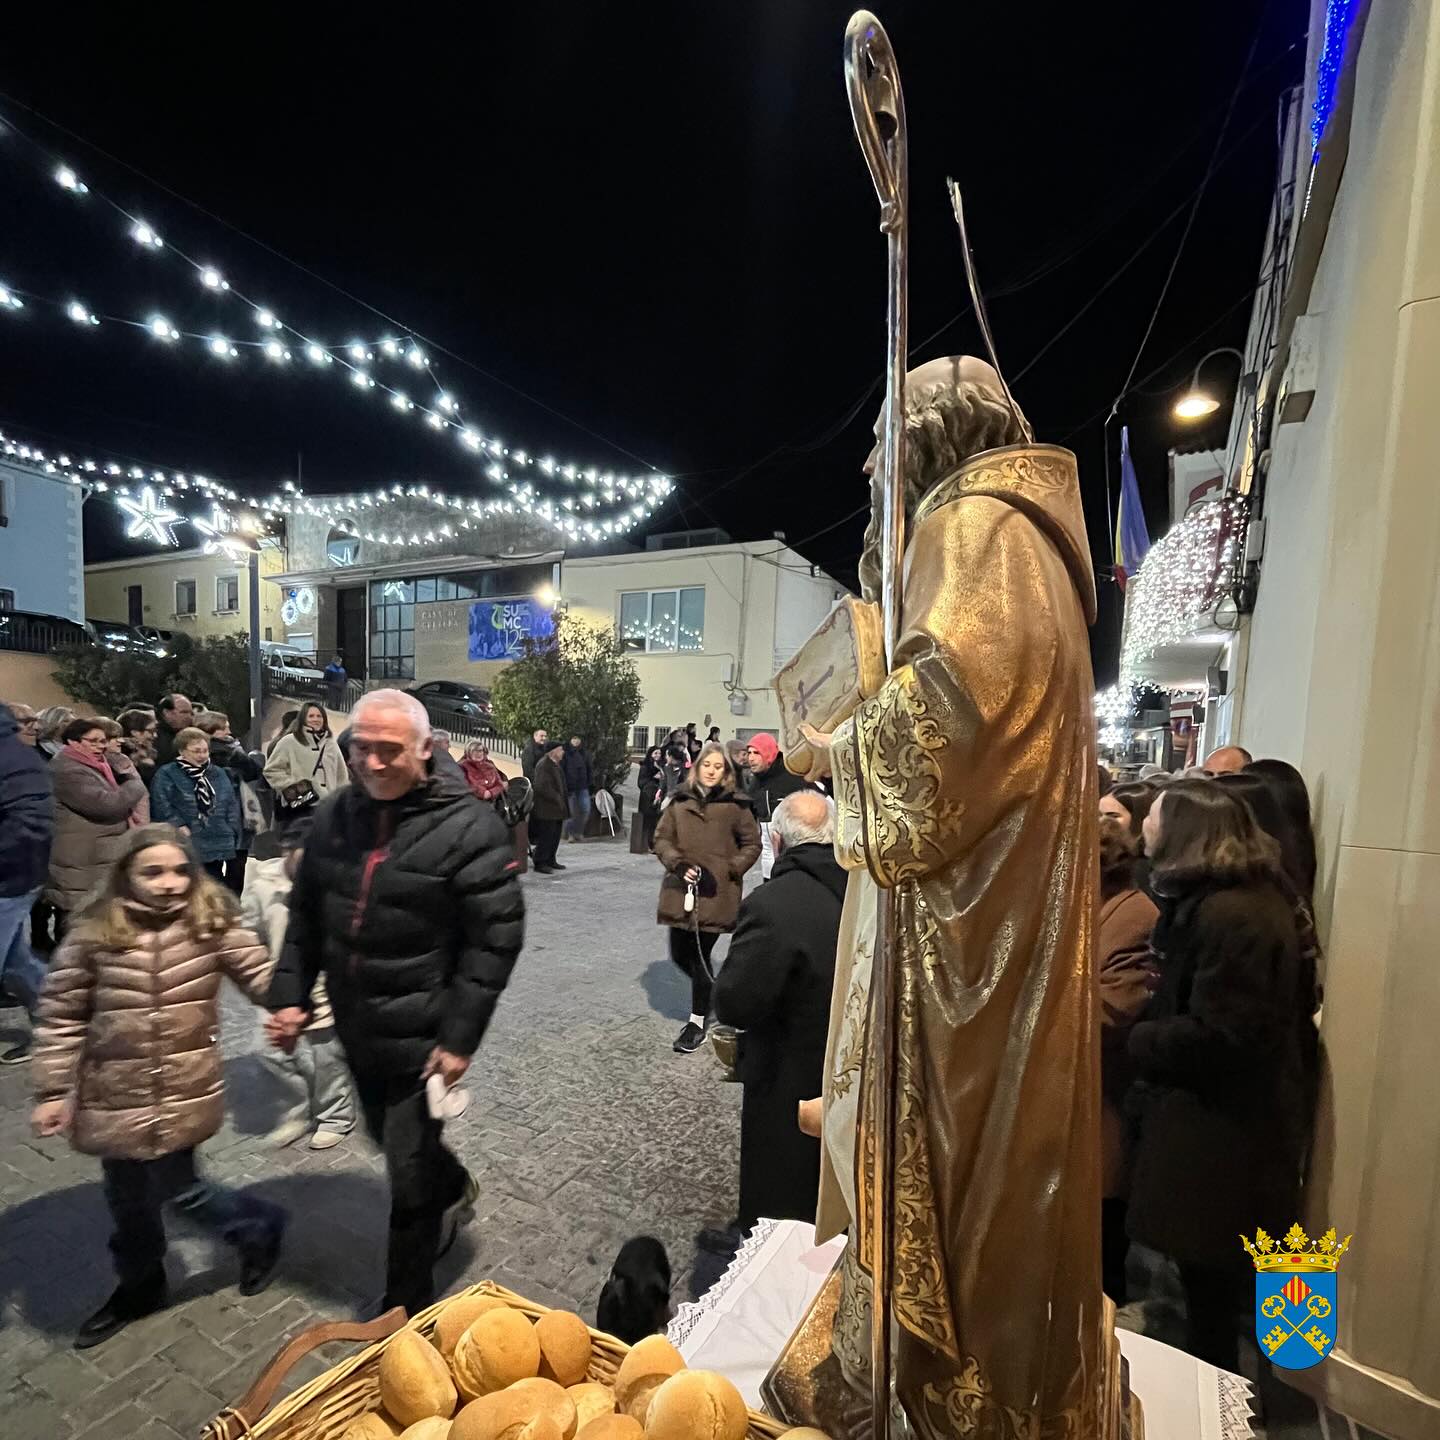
(1195, 404)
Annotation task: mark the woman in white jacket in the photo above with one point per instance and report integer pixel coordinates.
(304, 767)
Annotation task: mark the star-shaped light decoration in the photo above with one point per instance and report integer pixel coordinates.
(219, 534)
(150, 519)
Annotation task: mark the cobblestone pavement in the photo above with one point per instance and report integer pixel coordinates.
(584, 1129)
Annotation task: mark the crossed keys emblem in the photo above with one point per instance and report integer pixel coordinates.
(1276, 1306)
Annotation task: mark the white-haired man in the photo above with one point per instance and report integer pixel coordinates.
(775, 986)
(407, 901)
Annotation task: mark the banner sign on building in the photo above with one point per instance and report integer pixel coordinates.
(499, 628)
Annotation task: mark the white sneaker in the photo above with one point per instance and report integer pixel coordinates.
(325, 1139)
(288, 1133)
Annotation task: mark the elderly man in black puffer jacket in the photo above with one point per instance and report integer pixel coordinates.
(407, 899)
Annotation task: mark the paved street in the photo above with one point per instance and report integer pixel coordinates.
(584, 1128)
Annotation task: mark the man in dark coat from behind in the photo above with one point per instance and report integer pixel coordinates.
(552, 807)
(407, 899)
(27, 825)
(775, 986)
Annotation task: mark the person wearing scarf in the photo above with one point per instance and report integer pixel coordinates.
(199, 800)
(305, 761)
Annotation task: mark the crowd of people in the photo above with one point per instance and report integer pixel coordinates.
(353, 888)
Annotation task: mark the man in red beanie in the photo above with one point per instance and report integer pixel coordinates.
(770, 783)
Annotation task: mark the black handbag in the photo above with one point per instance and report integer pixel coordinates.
(301, 794)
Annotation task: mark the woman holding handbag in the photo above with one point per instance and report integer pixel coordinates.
(304, 767)
(707, 839)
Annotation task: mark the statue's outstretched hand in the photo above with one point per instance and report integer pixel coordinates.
(819, 743)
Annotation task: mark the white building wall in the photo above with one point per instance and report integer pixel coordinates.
(42, 545)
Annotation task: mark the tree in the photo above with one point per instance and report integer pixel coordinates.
(213, 672)
(575, 682)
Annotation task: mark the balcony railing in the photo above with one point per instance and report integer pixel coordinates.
(29, 634)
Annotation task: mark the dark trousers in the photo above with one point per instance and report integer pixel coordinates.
(1114, 1248)
(135, 1191)
(1214, 1300)
(234, 876)
(690, 950)
(545, 836)
(46, 924)
(425, 1180)
(215, 869)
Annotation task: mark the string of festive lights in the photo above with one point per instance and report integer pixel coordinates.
(612, 509)
(281, 343)
(1114, 705)
(1180, 580)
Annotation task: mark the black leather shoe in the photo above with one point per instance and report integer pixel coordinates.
(258, 1261)
(129, 1302)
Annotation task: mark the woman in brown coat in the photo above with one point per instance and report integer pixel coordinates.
(1127, 975)
(706, 840)
(127, 1062)
(95, 793)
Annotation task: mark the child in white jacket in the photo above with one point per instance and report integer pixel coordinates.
(315, 1071)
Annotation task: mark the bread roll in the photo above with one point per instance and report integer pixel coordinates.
(591, 1401)
(697, 1405)
(414, 1381)
(612, 1427)
(433, 1428)
(506, 1415)
(805, 1432)
(648, 1365)
(458, 1316)
(552, 1400)
(497, 1350)
(374, 1426)
(542, 1427)
(564, 1347)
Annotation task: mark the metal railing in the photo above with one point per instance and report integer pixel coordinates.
(29, 634)
(343, 699)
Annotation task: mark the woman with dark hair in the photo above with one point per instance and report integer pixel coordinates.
(127, 1063)
(96, 793)
(137, 739)
(1223, 1091)
(1126, 974)
(652, 793)
(304, 767)
(706, 840)
(1288, 786)
(1129, 804)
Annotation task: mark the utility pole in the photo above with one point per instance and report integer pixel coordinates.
(256, 701)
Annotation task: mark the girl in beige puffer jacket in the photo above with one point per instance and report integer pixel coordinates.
(127, 1062)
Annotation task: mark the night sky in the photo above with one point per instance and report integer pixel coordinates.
(644, 232)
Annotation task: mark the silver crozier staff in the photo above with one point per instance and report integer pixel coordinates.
(877, 105)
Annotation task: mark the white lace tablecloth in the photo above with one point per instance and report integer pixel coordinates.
(741, 1325)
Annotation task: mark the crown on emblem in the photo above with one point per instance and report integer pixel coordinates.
(1297, 1251)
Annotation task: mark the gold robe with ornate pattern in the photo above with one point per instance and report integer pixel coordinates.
(967, 785)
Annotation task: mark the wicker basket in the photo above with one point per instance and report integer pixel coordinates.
(323, 1409)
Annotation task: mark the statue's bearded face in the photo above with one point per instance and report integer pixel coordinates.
(946, 422)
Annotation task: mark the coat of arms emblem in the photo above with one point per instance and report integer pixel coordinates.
(1296, 1310)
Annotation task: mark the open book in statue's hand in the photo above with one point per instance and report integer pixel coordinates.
(823, 683)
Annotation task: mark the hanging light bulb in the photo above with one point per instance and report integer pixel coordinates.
(316, 354)
(162, 329)
(401, 401)
(358, 351)
(212, 279)
(266, 319)
(360, 378)
(220, 346)
(445, 403)
(67, 179)
(416, 358)
(389, 347)
(434, 421)
(79, 314)
(274, 350)
(9, 301)
(144, 235)
(470, 438)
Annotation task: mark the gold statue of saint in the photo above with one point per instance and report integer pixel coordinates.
(966, 784)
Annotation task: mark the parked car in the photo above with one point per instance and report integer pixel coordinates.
(286, 664)
(451, 697)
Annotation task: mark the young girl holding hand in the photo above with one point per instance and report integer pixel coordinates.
(127, 1062)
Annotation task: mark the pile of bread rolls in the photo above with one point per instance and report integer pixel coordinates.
(493, 1374)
